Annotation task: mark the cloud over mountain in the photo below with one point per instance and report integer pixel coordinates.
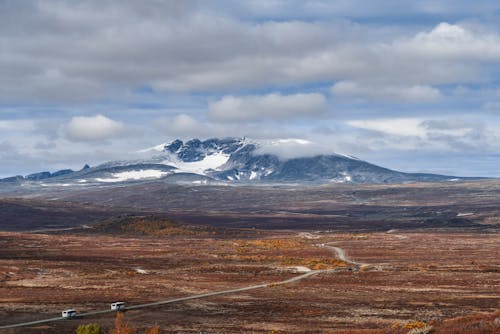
(119, 75)
(93, 128)
(271, 106)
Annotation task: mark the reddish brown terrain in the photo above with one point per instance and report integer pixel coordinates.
(396, 280)
(409, 277)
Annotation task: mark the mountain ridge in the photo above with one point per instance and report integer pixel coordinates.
(230, 160)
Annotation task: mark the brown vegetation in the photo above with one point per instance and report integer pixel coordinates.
(42, 274)
(470, 324)
(150, 226)
(121, 326)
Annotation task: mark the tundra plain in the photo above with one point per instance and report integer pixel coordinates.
(419, 253)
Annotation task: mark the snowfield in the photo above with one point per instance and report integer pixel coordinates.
(134, 175)
(213, 161)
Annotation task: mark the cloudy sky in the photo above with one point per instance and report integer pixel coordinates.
(410, 85)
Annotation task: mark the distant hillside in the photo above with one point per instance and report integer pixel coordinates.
(31, 214)
(229, 160)
(156, 226)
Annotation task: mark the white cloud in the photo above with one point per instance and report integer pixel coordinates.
(422, 128)
(435, 134)
(453, 42)
(292, 148)
(93, 128)
(398, 126)
(73, 52)
(390, 93)
(272, 106)
(158, 58)
(187, 127)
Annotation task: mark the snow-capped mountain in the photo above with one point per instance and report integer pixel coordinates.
(235, 160)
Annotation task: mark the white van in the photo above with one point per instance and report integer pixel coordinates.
(118, 306)
(68, 313)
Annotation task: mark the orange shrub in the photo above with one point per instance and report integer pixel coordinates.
(415, 324)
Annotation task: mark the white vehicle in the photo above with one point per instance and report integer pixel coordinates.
(68, 313)
(118, 306)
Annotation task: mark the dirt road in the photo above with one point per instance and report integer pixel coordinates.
(341, 255)
(339, 252)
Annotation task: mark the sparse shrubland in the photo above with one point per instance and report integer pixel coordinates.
(314, 263)
(89, 329)
(271, 244)
(91, 269)
(472, 324)
(268, 250)
(121, 327)
(150, 226)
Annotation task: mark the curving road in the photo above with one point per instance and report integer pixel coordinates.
(339, 252)
(341, 255)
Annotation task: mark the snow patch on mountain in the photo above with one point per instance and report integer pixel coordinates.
(343, 178)
(211, 162)
(134, 175)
